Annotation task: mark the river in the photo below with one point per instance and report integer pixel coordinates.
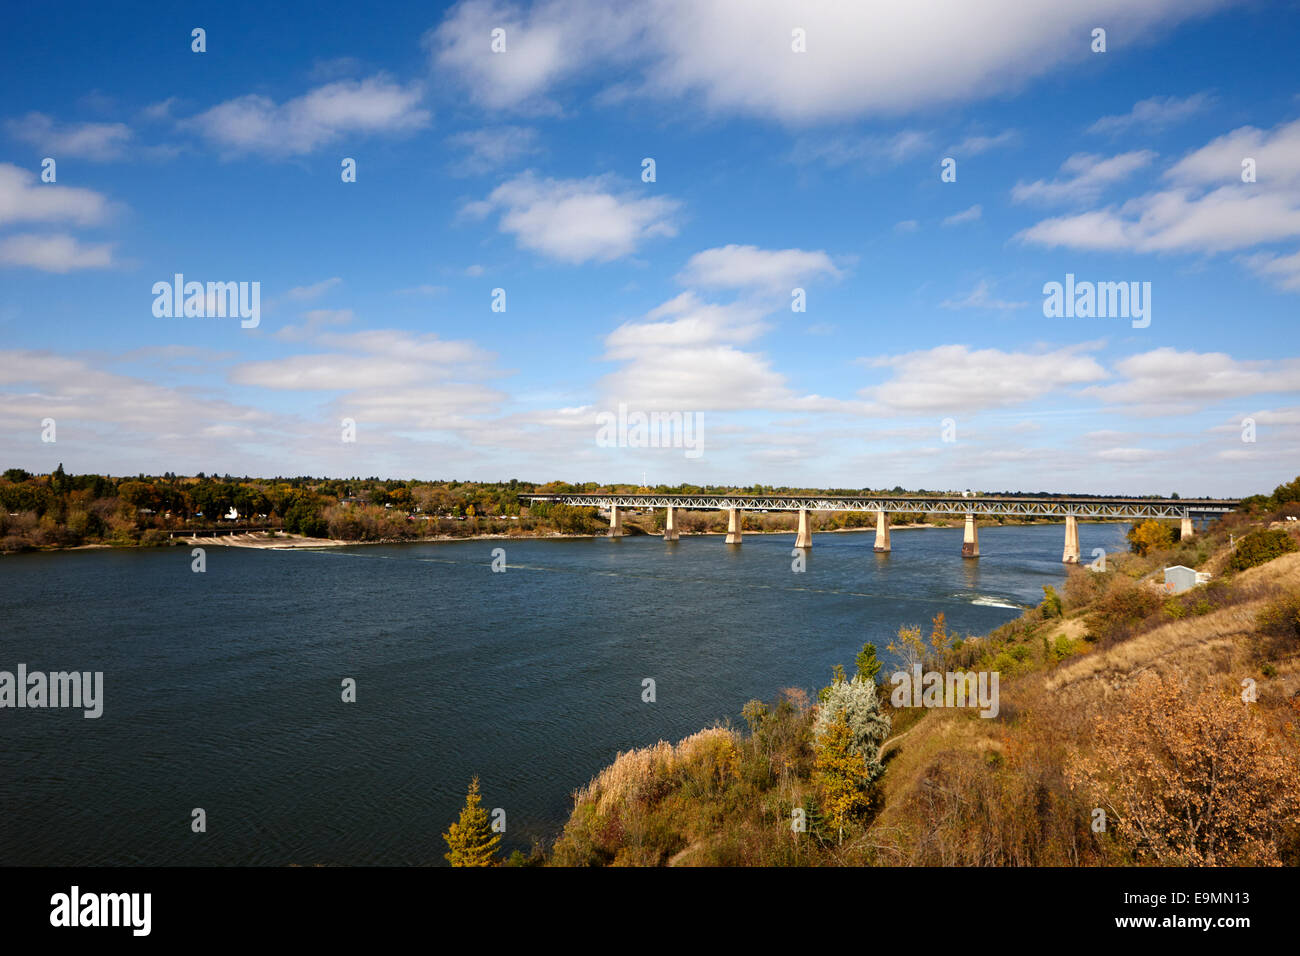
(222, 690)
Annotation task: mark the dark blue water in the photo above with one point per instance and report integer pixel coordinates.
(223, 689)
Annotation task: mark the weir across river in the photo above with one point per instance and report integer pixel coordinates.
(1071, 509)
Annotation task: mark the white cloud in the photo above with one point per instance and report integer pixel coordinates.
(871, 152)
(1169, 381)
(302, 292)
(955, 378)
(23, 199)
(54, 253)
(160, 111)
(735, 55)
(966, 215)
(974, 145)
(740, 267)
(1231, 217)
(1276, 153)
(1085, 177)
(313, 323)
(96, 141)
(686, 322)
(1284, 271)
(980, 297)
(1129, 454)
(119, 407)
(255, 123)
(489, 149)
(425, 289)
(1156, 113)
(577, 220)
(1206, 209)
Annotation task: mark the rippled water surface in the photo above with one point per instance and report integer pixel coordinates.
(222, 689)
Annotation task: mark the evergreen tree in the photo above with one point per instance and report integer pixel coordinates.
(470, 840)
(868, 665)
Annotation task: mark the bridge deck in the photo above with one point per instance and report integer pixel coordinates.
(1113, 508)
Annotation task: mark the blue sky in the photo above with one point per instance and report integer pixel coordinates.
(521, 170)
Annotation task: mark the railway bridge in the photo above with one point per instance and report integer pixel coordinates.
(1071, 509)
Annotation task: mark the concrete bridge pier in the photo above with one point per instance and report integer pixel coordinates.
(733, 526)
(1185, 529)
(882, 531)
(970, 538)
(1071, 555)
(804, 538)
(670, 524)
(615, 522)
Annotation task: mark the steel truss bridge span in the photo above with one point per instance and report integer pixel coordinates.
(1113, 509)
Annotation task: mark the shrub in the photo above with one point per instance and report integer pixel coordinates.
(1195, 778)
(1280, 617)
(1124, 605)
(1260, 547)
(1051, 606)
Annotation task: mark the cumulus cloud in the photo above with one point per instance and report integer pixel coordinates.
(23, 199)
(54, 253)
(1169, 381)
(1276, 153)
(577, 220)
(1178, 220)
(256, 123)
(740, 267)
(952, 378)
(735, 55)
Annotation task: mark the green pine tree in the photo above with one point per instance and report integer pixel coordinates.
(470, 840)
(868, 665)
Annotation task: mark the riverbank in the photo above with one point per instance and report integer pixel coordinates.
(283, 541)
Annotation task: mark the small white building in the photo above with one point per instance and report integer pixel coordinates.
(1179, 579)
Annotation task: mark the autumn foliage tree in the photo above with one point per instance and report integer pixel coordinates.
(1150, 536)
(470, 840)
(1191, 779)
(840, 776)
